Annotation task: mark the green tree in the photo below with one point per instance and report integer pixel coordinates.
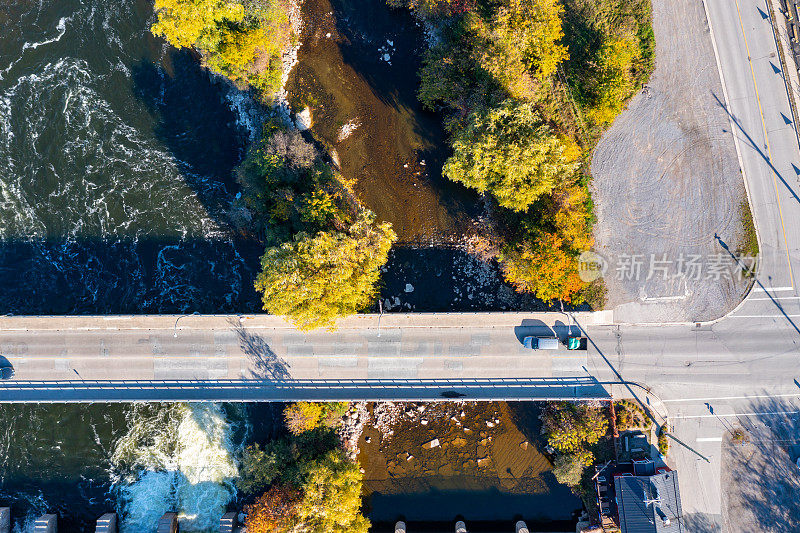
(331, 501)
(569, 426)
(242, 41)
(316, 279)
(511, 153)
(568, 468)
(260, 467)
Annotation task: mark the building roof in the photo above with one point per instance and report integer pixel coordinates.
(646, 503)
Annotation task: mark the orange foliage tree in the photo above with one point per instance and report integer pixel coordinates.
(543, 267)
(274, 511)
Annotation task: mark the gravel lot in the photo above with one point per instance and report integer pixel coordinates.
(667, 178)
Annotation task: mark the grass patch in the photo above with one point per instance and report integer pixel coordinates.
(749, 244)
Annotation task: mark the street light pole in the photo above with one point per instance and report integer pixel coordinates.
(175, 329)
(380, 309)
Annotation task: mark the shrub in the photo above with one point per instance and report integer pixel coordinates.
(307, 416)
(434, 8)
(630, 415)
(568, 468)
(663, 439)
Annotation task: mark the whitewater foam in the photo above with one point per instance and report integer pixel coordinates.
(175, 457)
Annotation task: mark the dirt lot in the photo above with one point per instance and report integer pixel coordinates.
(666, 179)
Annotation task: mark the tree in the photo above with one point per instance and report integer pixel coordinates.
(242, 41)
(260, 467)
(519, 46)
(542, 267)
(274, 511)
(307, 416)
(613, 84)
(568, 210)
(331, 501)
(569, 426)
(511, 153)
(316, 279)
(568, 468)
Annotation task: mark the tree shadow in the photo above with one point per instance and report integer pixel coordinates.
(266, 363)
(764, 489)
(701, 523)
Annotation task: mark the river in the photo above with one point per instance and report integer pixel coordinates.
(116, 154)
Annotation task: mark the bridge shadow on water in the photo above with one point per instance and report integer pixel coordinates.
(128, 276)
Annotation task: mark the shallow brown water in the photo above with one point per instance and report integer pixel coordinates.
(396, 151)
(486, 466)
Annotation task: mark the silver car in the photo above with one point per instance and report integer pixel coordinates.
(540, 343)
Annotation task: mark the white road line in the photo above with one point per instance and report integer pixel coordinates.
(763, 316)
(773, 289)
(775, 298)
(729, 415)
(709, 439)
(717, 398)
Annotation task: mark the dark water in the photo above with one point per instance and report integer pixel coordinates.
(115, 168)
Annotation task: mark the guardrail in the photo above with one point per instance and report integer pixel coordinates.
(243, 390)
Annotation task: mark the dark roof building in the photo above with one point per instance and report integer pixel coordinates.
(649, 504)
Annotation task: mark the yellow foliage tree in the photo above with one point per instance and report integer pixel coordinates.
(316, 279)
(243, 44)
(331, 500)
(520, 44)
(571, 217)
(183, 23)
(274, 511)
(569, 426)
(614, 82)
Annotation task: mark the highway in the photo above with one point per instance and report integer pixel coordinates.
(733, 365)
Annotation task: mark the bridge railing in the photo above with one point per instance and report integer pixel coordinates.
(253, 390)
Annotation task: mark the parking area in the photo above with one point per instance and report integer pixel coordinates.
(667, 185)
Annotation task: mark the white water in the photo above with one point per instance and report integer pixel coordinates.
(176, 457)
